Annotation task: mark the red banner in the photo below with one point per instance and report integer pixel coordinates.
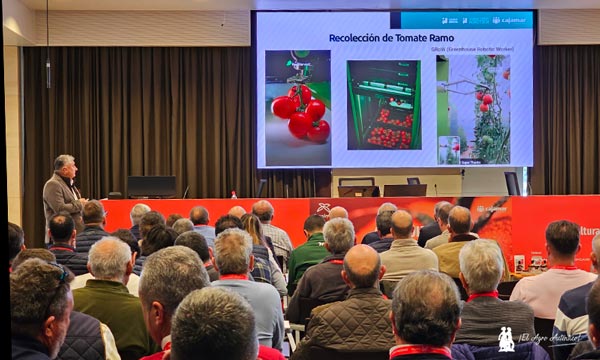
(517, 223)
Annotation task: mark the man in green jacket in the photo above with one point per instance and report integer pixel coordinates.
(309, 253)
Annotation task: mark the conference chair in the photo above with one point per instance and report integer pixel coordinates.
(505, 288)
(305, 305)
(543, 328)
(321, 353)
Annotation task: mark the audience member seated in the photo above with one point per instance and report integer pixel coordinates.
(263, 256)
(359, 323)
(425, 316)
(106, 298)
(40, 308)
(571, 322)
(200, 218)
(384, 229)
(87, 338)
(593, 308)
(136, 213)
(373, 236)
(432, 228)
(148, 221)
(196, 241)
(310, 253)
(182, 225)
(16, 242)
(542, 292)
(324, 281)
(405, 255)
(459, 226)
(62, 233)
(483, 314)
(233, 260)
(169, 275)
(337, 212)
(157, 237)
(441, 218)
(218, 324)
(172, 218)
(94, 220)
(280, 239)
(237, 211)
(133, 283)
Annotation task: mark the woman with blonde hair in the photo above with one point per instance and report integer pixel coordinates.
(263, 255)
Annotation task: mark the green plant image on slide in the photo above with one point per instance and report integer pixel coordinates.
(474, 104)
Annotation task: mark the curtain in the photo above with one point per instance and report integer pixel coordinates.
(144, 111)
(567, 120)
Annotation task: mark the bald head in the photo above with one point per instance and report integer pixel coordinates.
(459, 220)
(237, 211)
(338, 212)
(264, 210)
(199, 215)
(362, 267)
(402, 224)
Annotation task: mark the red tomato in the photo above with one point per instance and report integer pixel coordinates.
(484, 108)
(492, 56)
(479, 95)
(319, 133)
(283, 107)
(487, 99)
(299, 124)
(456, 147)
(304, 90)
(506, 74)
(315, 109)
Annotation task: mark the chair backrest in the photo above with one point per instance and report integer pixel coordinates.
(505, 288)
(321, 353)
(543, 327)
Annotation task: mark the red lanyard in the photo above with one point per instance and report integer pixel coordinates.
(488, 294)
(337, 261)
(61, 248)
(564, 267)
(233, 277)
(420, 349)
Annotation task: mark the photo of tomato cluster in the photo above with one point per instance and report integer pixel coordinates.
(486, 100)
(304, 114)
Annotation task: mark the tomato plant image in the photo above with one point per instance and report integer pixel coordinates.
(492, 130)
(304, 114)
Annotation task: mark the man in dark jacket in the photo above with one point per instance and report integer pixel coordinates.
(323, 281)
(94, 219)
(359, 323)
(425, 316)
(61, 232)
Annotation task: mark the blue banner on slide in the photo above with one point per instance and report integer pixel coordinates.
(461, 20)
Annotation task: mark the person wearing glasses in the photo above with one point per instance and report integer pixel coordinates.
(41, 303)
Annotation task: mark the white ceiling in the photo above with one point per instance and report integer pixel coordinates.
(207, 5)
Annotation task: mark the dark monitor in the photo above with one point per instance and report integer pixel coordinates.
(151, 187)
(413, 180)
(404, 190)
(358, 191)
(512, 183)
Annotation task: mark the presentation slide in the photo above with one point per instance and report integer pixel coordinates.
(394, 89)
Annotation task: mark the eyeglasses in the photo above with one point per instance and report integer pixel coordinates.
(63, 277)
